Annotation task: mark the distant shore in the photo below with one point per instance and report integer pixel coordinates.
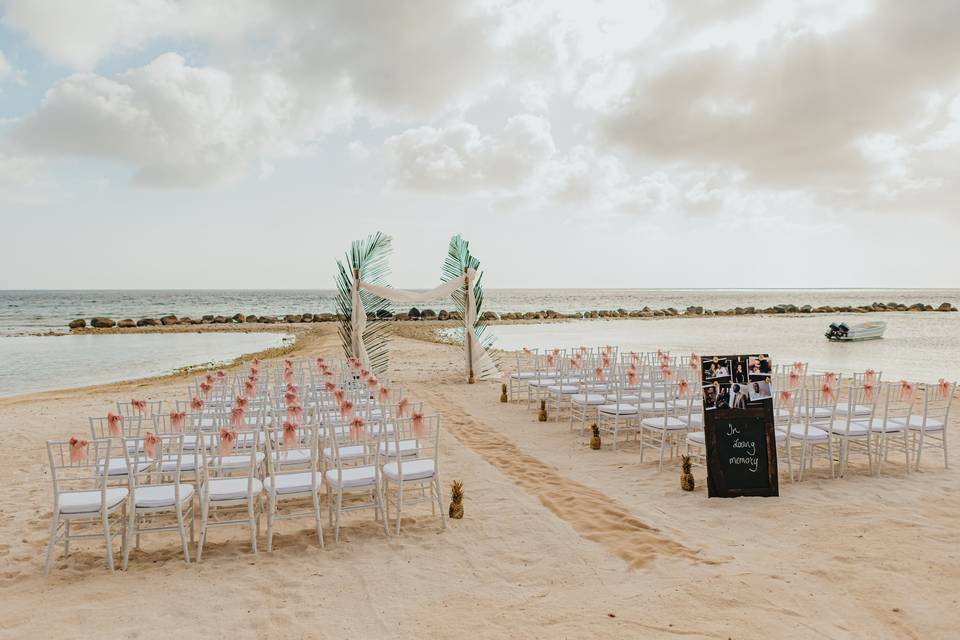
(240, 321)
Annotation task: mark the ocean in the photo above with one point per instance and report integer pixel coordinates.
(919, 346)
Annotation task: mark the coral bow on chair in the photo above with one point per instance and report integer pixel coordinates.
(601, 378)
(236, 417)
(786, 398)
(828, 393)
(177, 419)
(683, 388)
(227, 439)
(289, 434)
(150, 443)
(140, 406)
(196, 404)
(402, 407)
(943, 389)
(906, 391)
(356, 427)
(869, 391)
(384, 394)
(346, 407)
(417, 420)
(113, 424)
(78, 449)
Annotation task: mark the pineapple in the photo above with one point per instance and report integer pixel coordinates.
(542, 416)
(595, 440)
(456, 500)
(686, 478)
(503, 393)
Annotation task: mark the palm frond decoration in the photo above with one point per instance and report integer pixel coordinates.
(369, 259)
(458, 260)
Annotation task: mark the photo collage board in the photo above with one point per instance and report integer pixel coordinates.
(736, 382)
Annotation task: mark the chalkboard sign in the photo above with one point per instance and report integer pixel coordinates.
(738, 426)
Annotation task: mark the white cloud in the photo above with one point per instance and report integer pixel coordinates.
(176, 124)
(459, 157)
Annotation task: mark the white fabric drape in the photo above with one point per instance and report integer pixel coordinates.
(475, 354)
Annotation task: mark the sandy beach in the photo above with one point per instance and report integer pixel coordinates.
(558, 541)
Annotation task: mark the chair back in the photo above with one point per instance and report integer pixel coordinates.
(79, 465)
(160, 462)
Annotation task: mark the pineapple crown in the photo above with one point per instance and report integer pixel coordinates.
(596, 430)
(685, 462)
(456, 489)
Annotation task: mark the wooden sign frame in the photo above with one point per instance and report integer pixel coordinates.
(733, 423)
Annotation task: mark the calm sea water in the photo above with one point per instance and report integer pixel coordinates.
(41, 363)
(923, 346)
(35, 311)
(917, 346)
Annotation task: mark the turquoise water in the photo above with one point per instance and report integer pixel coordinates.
(917, 346)
(41, 363)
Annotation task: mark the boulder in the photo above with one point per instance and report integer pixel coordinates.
(188, 320)
(324, 317)
(806, 309)
(220, 319)
(946, 306)
(267, 319)
(443, 315)
(694, 311)
(383, 314)
(79, 323)
(916, 307)
(292, 318)
(207, 319)
(168, 320)
(401, 316)
(671, 311)
(147, 322)
(238, 317)
(102, 323)
(455, 315)
(928, 307)
(126, 324)
(659, 312)
(428, 314)
(307, 317)
(414, 313)
(646, 313)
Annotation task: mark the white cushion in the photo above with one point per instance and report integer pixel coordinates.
(407, 448)
(292, 456)
(563, 388)
(350, 452)
(858, 409)
(621, 409)
(694, 419)
(239, 461)
(291, 483)
(655, 406)
(161, 495)
(523, 375)
(696, 437)
(232, 488)
(813, 433)
(840, 428)
(89, 501)
(544, 382)
(118, 466)
(916, 423)
(587, 398)
(412, 470)
(657, 423)
(876, 425)
(632, 399)
(188, 462)
(353, 477)
(818, 412)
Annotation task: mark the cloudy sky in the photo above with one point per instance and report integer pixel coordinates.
(245, 143)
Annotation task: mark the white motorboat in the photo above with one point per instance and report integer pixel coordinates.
(843, 332)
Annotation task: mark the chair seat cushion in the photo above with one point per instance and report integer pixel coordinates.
(89, 501)
(563, 388)
(288, 483)
(625, 397)
(858, 410)
(412, 470)
(813, 434)
(655, 406)
(671, 424)
(622, 409)
(916, 423)
(239, 461)
(233, 488)
(407, 448)
(840, 428)
(877, 425)
(353, 477)
(350, 452)
(291, 456)
(523, 375)
(697, 437)
(188, 462)
(695, 419)
(542, 382)
(588, 398)
(818, 412)
(161, 495)
(118, 466)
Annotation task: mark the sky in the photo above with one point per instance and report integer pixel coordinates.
(245, 144)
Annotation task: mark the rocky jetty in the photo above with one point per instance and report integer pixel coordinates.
(491, 316)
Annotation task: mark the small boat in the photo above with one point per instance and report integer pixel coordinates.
(843, 332)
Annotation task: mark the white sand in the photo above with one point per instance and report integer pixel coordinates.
(558, 541)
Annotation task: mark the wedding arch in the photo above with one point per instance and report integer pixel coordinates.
(363, 299)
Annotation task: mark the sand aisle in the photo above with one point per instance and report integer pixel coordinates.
(556, 539)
